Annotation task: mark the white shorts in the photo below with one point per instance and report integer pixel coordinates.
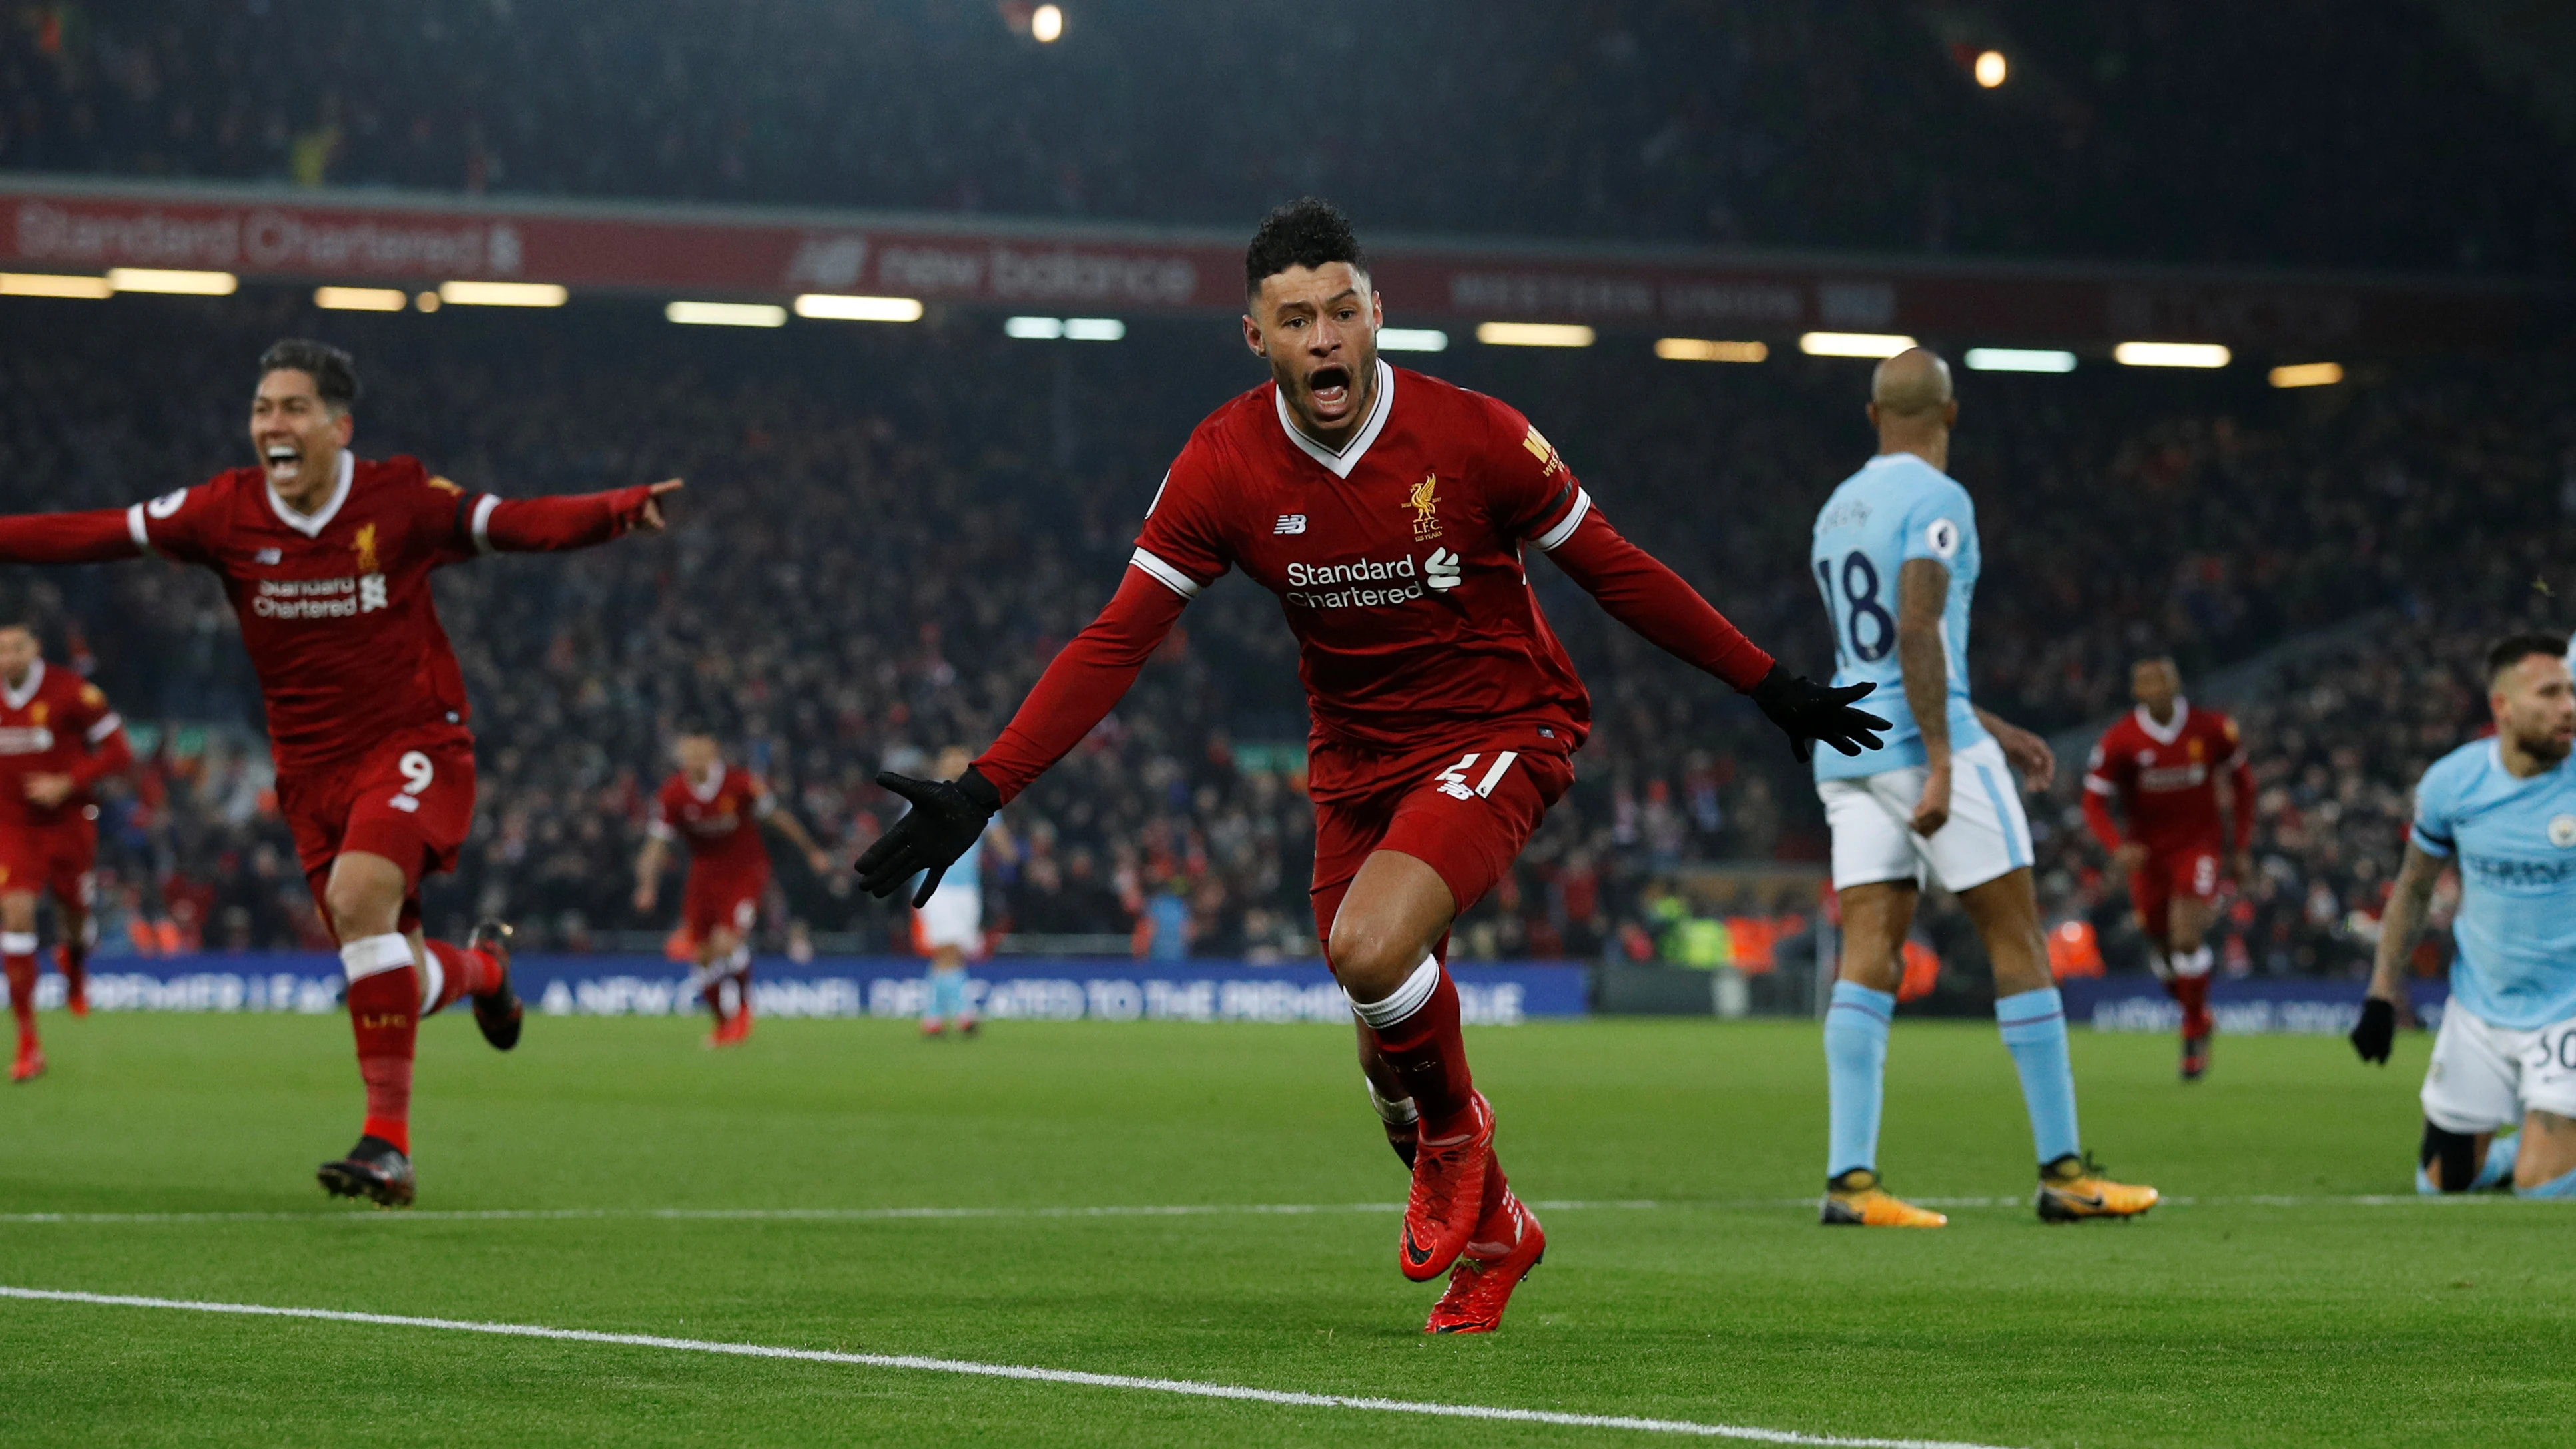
(954, 917)
(1873, 823)
(2485, 1077)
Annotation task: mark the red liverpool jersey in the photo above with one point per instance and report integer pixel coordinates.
(1398, 565)
(1397, 561)
(334, 606)
(2165, 777)
(719, 818)
(55, 723)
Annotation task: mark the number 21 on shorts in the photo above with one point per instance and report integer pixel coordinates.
(1453, 781)
(417, 773)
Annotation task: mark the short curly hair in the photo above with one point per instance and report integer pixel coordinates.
(1307, 232)
(334, 372)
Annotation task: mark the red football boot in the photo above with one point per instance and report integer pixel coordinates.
(1508, 1244)
(30, 1063)
(1448, 1188)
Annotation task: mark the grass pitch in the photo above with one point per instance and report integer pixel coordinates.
(1687, 1279)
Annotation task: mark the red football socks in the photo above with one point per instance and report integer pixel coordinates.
(1429, 1055)
(2193, 993)
(467, 973)
(22, 995)
(73, 958)
(384, 1012)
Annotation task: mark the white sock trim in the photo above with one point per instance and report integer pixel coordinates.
(2189, 965)
(1402, 1002)
(433, 980)
(369, 955)
(17, 943)
(1400, 1112)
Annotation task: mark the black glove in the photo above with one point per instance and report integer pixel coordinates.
(1809, 711)
(945, 821)
(2376, 1032)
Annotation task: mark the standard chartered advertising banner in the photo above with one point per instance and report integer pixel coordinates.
(1019, 989)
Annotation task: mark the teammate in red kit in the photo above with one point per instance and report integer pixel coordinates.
(58, 737)
(719, 811)
(326, 558)
(1390, 512)
(2163, 763)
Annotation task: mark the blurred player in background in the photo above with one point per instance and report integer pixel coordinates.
(327, 560)
(58, 737)
(2504, 809)
(1390, 512)
(718, 810)
(2162, 761)
(949, 926)
(1897, 556)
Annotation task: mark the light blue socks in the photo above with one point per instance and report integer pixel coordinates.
(2494, 1172)
(2563, 1185)
(947, 993)
(1856, 1074)
(2034, 1031)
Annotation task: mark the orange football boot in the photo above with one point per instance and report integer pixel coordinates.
(1856, 1200)
(2073, 1188)
(30, 1063)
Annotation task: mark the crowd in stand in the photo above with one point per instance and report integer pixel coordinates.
(2319, 132)
(888, 531)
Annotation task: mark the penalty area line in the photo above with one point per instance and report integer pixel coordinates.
(1190, 1388)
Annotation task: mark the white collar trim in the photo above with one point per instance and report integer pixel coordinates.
(312, 524)
(18, 697)
(1342, 462)
(2165, 734)
(713, 787)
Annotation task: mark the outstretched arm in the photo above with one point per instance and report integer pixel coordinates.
(788, 825)
(1086, 679)
(2385, 1004)
(566, 521)
(1639, 591)
(94, 535)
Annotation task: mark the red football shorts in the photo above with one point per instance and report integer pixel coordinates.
(410, 800)
(55, 858)
(722, 898)
(2190, 873)
(1464, 812)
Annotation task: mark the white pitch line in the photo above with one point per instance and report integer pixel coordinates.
(1188, 1387)
(1173, 1210)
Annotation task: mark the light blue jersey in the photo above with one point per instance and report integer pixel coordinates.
(2515, 841)
(1896, 508)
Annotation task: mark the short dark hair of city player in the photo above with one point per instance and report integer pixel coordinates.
(1388, 510)
(2500, 1095)
(58, 737)
(719, 810)
(326, 559)
(1897, 556)
(2162, 762)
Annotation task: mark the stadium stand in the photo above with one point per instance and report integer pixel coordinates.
(848, 486)
(2308, 133)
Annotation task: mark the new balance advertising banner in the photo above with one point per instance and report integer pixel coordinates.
(72, 225)
(1018, 989)
(2248, 1007)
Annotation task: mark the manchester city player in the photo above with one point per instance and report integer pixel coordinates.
(1896, 555)
(2505, 810)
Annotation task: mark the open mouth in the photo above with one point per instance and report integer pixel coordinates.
(284, 455)
(1330, 387)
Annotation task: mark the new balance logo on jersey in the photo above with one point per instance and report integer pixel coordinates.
(1291, 523)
